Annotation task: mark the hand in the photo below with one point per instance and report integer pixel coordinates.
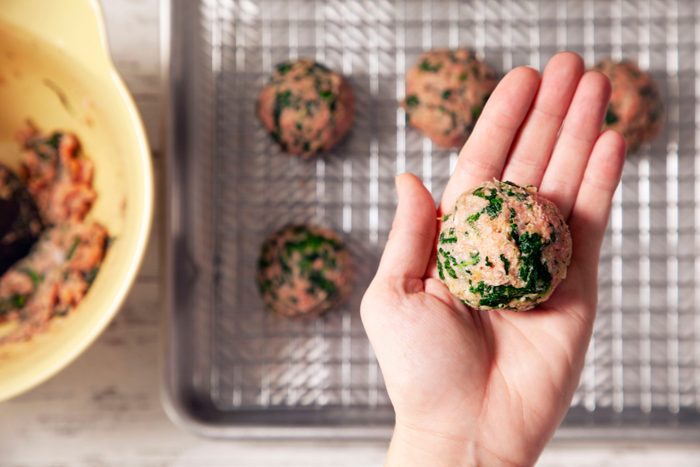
(490, 387)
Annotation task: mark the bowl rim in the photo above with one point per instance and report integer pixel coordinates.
(80, 343)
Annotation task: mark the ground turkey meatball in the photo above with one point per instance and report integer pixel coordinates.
(306, 107)
(445, 93)
(635, 109)
(503, 246)
(303, 270)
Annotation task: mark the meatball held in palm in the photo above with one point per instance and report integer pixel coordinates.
(445, 93)
(635, 109)
(503, 247)
(303, 270)
(306, 107)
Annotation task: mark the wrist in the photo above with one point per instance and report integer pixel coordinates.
(416, 447)
(412, 446)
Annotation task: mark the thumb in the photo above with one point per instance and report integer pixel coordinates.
(412, 235)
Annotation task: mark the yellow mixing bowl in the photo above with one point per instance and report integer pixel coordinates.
(55, 70)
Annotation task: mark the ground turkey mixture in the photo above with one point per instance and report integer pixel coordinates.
(636, 109)
(58, 271)
(306, 107)
(503, 246)
(445, 93)
(303, 270)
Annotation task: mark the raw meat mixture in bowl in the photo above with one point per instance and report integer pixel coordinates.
(58, 271)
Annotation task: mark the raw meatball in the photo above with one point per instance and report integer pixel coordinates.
(303, 270)
(635, 109)
(306, 107)
(503, 246)
(20, 224)
(445, 93)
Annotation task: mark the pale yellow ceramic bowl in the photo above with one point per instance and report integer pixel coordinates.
(55, 70)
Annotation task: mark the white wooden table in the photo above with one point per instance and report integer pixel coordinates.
(104, 409)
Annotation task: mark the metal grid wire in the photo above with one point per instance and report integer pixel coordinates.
(644, 360)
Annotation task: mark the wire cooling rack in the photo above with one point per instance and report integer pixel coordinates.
(234, 365)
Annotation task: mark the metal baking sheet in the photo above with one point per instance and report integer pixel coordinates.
(234, 370)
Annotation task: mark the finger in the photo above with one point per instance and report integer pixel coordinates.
(579, 132)
(533, 147)
(486, 150)
(591, 210)
(412, 234)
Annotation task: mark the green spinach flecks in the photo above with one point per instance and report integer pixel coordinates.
(46, 148)
(506, 264)
(514, 191)
(90, 275)
(533, 272)
(610, 117)
(282, 101)
(327, 96)
(495, 202)
(283, 68)
(450, 261)
(425, 65)
(73, 247)
(476, 112)
(311, 241)
(474, 217)
(55, 139)
(448, 237)
(13, 302)
(33, 275)
(412, 100)
(477, 109)
(319, 281)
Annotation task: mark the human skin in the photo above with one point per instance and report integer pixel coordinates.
(490, 387)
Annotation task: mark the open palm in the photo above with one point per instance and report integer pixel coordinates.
(489, 388)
